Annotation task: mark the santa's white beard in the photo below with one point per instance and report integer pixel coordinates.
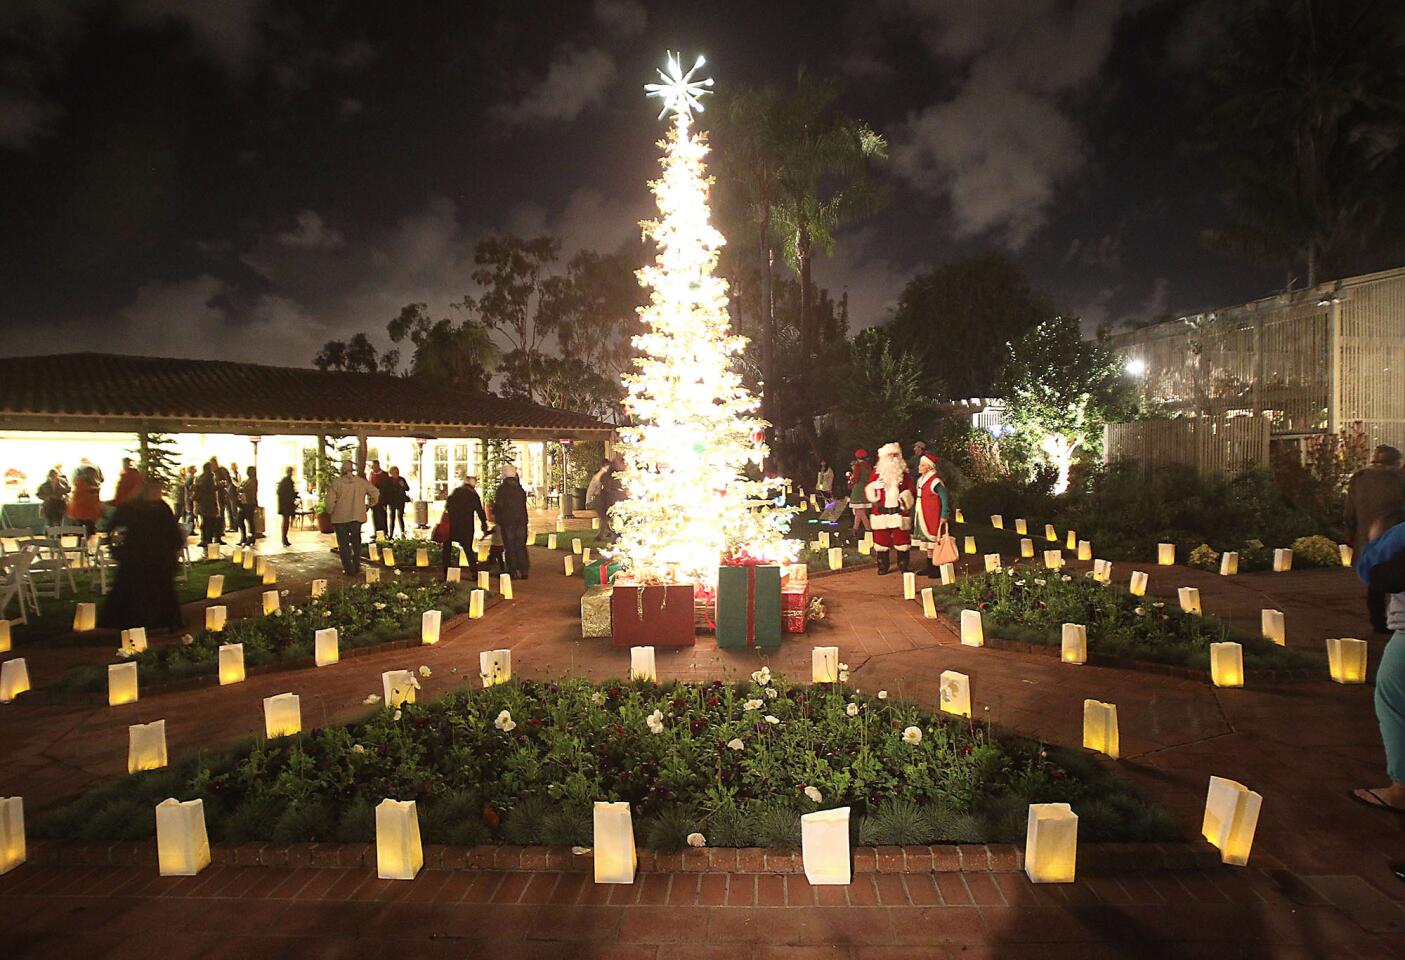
(890, 470)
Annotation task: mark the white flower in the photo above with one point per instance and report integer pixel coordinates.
(415, 683)
(580, 851)
(762, 676)
(1019, 583)
(326, 613)
(357, 748)
(402, 596)
(1158, 604)
(378, 605)
(655, 721)
(373, 698)
(697, 840)
(1065, 578)
(844, 676)
(282, 593)
(852, 709)
(771, 719)
(397, 715)
(1038, 582)
(771, 693)
(753, 704)
(187, 640)
(425, 671)
(1140, 611)
(124, 654)
(882, 694)
(814, 794)
(843, 666)
(597, 698)
(396, 572)
(912, 735)
(735, 744)
(504, 722)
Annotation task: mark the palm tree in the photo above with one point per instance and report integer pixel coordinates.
(1309, 116)
(823, 182)
(749, 167)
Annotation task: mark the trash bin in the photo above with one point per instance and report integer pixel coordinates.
(421, 513)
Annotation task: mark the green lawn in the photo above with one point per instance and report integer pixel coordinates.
(54, 622)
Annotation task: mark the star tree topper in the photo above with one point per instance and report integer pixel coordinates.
(680, 93)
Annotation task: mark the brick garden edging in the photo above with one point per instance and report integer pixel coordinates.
(944, 858)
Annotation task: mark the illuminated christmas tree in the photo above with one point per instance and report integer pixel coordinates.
(691, 505)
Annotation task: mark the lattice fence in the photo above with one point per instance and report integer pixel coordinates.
(1209, 446)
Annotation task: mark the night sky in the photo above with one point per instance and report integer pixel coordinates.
(244, 179)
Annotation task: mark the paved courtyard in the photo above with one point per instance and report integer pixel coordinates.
(1318, 884)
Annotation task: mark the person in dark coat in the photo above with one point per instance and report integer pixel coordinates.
(207, 503)
(53, 493)
(1375, 492)
(287, 503)
(147, 545)
(395, 493)
(510, 514)
(462, 506)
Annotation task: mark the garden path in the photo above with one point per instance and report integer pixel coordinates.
(1300, 744)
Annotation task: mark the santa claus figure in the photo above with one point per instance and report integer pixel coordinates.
(930, 516)
(891, 494)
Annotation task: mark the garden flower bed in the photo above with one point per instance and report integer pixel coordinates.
(1031, 605)
(405, 549)
(522, 763)
(363, 614)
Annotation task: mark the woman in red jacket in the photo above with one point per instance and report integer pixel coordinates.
(84, 507)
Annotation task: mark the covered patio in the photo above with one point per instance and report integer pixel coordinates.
(63, 411)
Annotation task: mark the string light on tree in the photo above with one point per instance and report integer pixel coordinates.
(691, 505)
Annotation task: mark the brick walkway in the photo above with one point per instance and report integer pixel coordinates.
(1318, 884)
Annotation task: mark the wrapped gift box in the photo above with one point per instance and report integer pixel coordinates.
(595, 612)
(651, 615)
(602, 572)
(795, 607)
(748, 606)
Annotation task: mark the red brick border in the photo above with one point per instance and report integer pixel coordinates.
(945, 858)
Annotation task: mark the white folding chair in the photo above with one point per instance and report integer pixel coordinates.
(13, 539)
(63, 547)
(102, 562)
(16, 585)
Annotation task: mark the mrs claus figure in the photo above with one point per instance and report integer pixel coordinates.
(931, 506)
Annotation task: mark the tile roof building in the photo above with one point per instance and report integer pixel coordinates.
(109, 392)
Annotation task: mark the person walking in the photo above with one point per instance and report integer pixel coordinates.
(207, 503)
(85, 507)
(376, 475)
(53, 494)
(1375, 492)
(510, 515)
(248, 506)
(147, 544)
(462, 505)
(824, 481)
(347, 501)
(914, 463)
(611, 492)
(129, 483)
(860, 473)
(223, 492)
(929, 517)
(287, 503)
(395, 493)
(1380, 564)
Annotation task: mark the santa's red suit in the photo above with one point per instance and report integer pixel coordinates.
(891, 494)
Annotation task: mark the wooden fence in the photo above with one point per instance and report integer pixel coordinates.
(1208, 445)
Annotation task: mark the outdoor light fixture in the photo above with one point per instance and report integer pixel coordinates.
(398, 687)
(615, 858)
(642, 664)
(282, 715)
(231, 663)
(1271, 626)
(1227, 664)
(1051, 843)
(495, 667)
(1231, 817)
(85, 617)
(325, 647)
(972, 633)
(1346, 659)
(14, 679)
(824, 846)
(121, 683)
(1282, 560)
(1166, 554)
(430, 621)
(929, 597)
(182, 845)
(1100, 728)
(1135, 367)
(12, 846)
(399, 852)
(1074, 643)
(146, 746)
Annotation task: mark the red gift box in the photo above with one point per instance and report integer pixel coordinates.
(795, 605)
(652, 615)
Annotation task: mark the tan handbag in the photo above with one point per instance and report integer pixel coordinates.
(944, 547)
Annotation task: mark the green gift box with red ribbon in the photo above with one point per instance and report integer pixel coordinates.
(748, 606)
